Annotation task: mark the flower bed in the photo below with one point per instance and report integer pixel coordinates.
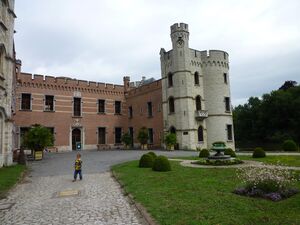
(271, 183)
(218, 162)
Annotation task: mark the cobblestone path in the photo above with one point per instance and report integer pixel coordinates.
(37, 202)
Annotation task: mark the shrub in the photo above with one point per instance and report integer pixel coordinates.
(170, 140)
(143, 136)
(146, 161)
(152, 154)
(258, 153)
(289, 145)
(161, 163)
(126, 139)
(204, 153)
(229, 151)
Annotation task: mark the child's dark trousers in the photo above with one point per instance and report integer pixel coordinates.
(77, 172)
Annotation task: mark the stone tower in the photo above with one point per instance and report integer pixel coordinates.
(194, 93)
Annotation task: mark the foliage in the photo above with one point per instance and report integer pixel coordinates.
(204, 153)
(174, 198)
(38, 137)
(272, 119)
(272, 183)
(170, 139)
(289, 145)
(146, 161)
(219, 162)
(161, 163)
(288, 84)
(143, 135)
(258, 153)
(126, 139)
(152, 154)
(229, 151)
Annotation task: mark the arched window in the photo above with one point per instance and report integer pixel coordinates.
(198, 103)
(170, 79)
(200, 134)
(196, 78)
(172, 130)
(171, 105)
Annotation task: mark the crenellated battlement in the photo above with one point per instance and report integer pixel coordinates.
(216, 55)
(38, 80)
(144, 88)
(179, 27)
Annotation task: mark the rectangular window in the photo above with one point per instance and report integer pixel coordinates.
(77, 107)
(225, 77)
(49, 103)
(101, 106)
(101, 135)
(26, 102)
(227, 104)
(117, 107)
(118, 135)
(229, 132)
(150, 134)
(149, 107)
(51, 129)
(130, 113)
(23, 132)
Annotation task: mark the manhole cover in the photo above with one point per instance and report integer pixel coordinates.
(68, 193)
(4, 206)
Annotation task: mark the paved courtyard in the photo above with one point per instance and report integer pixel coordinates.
(48, 195)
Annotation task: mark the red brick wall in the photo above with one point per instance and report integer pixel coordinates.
(62, 119)
(138, 98)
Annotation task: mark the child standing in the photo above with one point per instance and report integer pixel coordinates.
(78, 164)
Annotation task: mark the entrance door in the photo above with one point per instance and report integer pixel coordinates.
(76, 137)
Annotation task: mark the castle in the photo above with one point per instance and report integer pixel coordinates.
(192, 100)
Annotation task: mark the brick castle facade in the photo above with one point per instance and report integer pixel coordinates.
(192, 99)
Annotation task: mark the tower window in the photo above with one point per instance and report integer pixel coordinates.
(227, 104)
(101, 106)
(171, 105)
(196, 78)
(149, 107)
(198, 103)
(117, 107)
(49, 103)
(77, 107)
(118, 134)
(26, 102)
(229, 132)
(225, 78)
(200, 134)
(170, 80)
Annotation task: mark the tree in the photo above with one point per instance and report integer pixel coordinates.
(288, 84)
(270, 120)
(143, 136)
(126, 139)
(170, 140)
(38, 137)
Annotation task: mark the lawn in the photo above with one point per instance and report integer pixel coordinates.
(287, 160)
(8, 177)
(193, 196)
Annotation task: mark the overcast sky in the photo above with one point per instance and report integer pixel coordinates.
(105, 40)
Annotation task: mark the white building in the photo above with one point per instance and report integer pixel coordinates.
(7, 71)
(196, 93)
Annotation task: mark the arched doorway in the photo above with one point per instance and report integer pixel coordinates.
(76, 137)
(172, 130)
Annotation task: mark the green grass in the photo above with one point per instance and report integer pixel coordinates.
(287, 160)
(193, 196)
(8, 177)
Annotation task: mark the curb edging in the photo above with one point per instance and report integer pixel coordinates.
(141, 209)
